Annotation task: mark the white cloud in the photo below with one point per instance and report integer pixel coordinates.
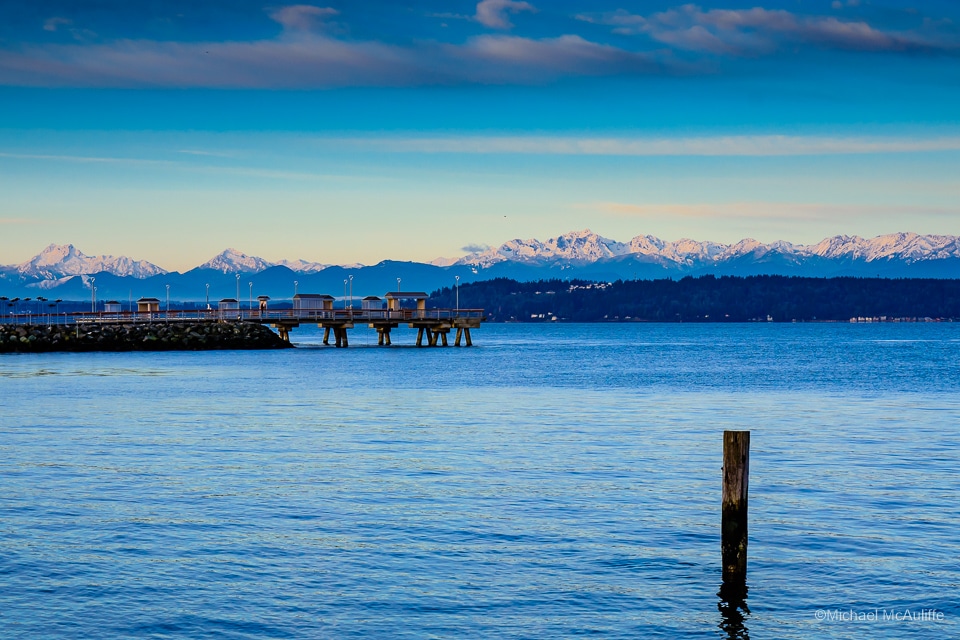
(493, 13)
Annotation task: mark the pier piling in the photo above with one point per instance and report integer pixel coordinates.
(733, 527)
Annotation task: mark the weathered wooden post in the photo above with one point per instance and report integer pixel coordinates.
(733, 527)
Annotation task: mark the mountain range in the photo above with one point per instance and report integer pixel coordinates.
(65, 272)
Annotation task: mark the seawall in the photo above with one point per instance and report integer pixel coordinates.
(161, 336)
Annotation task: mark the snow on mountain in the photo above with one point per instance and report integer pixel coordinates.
(583, 247)
(303, 266)
(59, 261)
(909, 247)
(233, 261)
(576, 247)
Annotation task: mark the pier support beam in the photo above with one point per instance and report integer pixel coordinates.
(443, 337)
(466, 334)
(733, 527)
(326, 335)
(456, 342)
(420, 336)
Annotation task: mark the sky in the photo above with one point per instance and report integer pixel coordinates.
(343, 132)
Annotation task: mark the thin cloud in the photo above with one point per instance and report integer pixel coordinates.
(493, 13)
(758, 210)
(705, 146)
(302, 17)
(760, 31)
(52, 24)
(302, 59)
(475, 248)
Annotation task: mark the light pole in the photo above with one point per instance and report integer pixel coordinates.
(94, 299)
(344, 294)
(295, 284)
(208, 295)
(168, 302)
(398, 285)
(238, 291)
(251, 296)
(351, 293)
(93, 295)
(457, 278)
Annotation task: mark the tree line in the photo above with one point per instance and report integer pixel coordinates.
(707, 299)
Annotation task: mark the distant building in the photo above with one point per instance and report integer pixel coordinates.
(372, 303)
(112, 306)
(395, 299)
(148, 305)
(312, 302)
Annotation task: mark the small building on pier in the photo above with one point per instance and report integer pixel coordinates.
(263, 302)
(148, 305)
(395, 299)
(312, 302)
(372, 303)
(228, 304)
(112, 306)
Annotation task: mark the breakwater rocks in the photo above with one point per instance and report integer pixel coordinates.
(160, 336)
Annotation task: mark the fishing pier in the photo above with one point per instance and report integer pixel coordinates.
(433, 325)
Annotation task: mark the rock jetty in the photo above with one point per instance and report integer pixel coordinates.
(160, 336)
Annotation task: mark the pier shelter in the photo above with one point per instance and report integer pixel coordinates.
(228, 304)
(112, 306)
(263, 302)
(148, 305)
(312, 302)
(371, 303)
(395, 299)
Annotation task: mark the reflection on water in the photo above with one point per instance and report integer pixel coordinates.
(733, 610)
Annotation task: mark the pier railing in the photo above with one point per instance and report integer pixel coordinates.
(289, 316)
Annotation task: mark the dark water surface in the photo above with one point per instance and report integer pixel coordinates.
(553, 481)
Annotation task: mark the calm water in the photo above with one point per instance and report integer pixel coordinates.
(553, 481)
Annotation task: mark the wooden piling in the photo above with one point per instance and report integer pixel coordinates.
(326, 335)
(344, 332)
(456, 342)
(338, 336)
(443, 338)
(466, 334)
(733, 527)
(420, 337)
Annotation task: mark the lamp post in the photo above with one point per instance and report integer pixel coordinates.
(251, 296)
(208, 295)
(398, 285)
(238, 291)
(351, 293)
(344, 294)
(457, 278)
(168, 302)
(295, 285)
(94, 299)
(93, 295)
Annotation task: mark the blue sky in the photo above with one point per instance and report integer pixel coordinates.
(357, 131)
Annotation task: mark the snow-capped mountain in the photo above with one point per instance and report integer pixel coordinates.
(59, 261)
(233, 261)
(585, 247)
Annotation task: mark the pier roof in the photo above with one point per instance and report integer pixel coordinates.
(407, 295)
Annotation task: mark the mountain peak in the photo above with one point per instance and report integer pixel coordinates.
(231, 260)
(61, 260)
